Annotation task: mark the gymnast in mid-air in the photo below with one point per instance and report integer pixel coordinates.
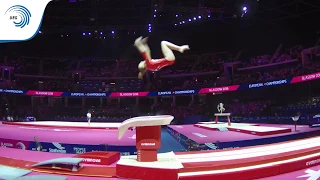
(156, 64)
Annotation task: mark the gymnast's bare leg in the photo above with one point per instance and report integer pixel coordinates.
(156, 64)
(89, 121)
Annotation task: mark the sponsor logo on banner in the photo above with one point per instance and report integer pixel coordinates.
(78, 150)
(271, 83)
(58, 148)
(148, 144)
(310, 77)
(77, 94)
(20, 145)
(161, 93)
(44, 93)
(125, 153)
(90, 160)
(211, 146)
(96, 94)
(129, 94)
(184, 92)
(313, 162)
(13, 91)
(6, 145)
(218, 89)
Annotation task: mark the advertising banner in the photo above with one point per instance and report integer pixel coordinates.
(17, 144)
(315, 121)
(124, 150)
(297, 79)
(55, 147)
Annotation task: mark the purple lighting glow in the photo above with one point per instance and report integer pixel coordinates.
(112, 32)
(245, 8)
(83, 34)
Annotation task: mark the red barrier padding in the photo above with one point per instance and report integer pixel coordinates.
(146, 173)
(255, 172)
(99, 157)
(229, 164)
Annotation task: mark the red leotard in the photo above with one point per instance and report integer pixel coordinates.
(155, 64)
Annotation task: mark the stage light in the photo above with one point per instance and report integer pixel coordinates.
(83, 34)
(199, 17)
(155, 10)
(209, 16)
(189, 20)
(89, 34)
(183, 22)
(194, 18)
(112, 31)
(101, 33)
(175, 24)
(40, 32)
(154, 16)
(177, 15)
(149, 25)
(67, 35)
(180, 22)
(104, 37)
(245, 8)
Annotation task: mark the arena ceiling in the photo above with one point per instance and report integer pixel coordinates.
(68, 23)
(136, 15)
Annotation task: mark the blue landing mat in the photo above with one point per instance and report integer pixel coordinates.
(9, 173)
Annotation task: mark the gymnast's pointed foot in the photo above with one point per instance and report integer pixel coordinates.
(145, 40)
(138, 41)
(184, 48)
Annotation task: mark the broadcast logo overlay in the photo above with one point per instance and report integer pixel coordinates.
(20, 19)
(21, 13)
